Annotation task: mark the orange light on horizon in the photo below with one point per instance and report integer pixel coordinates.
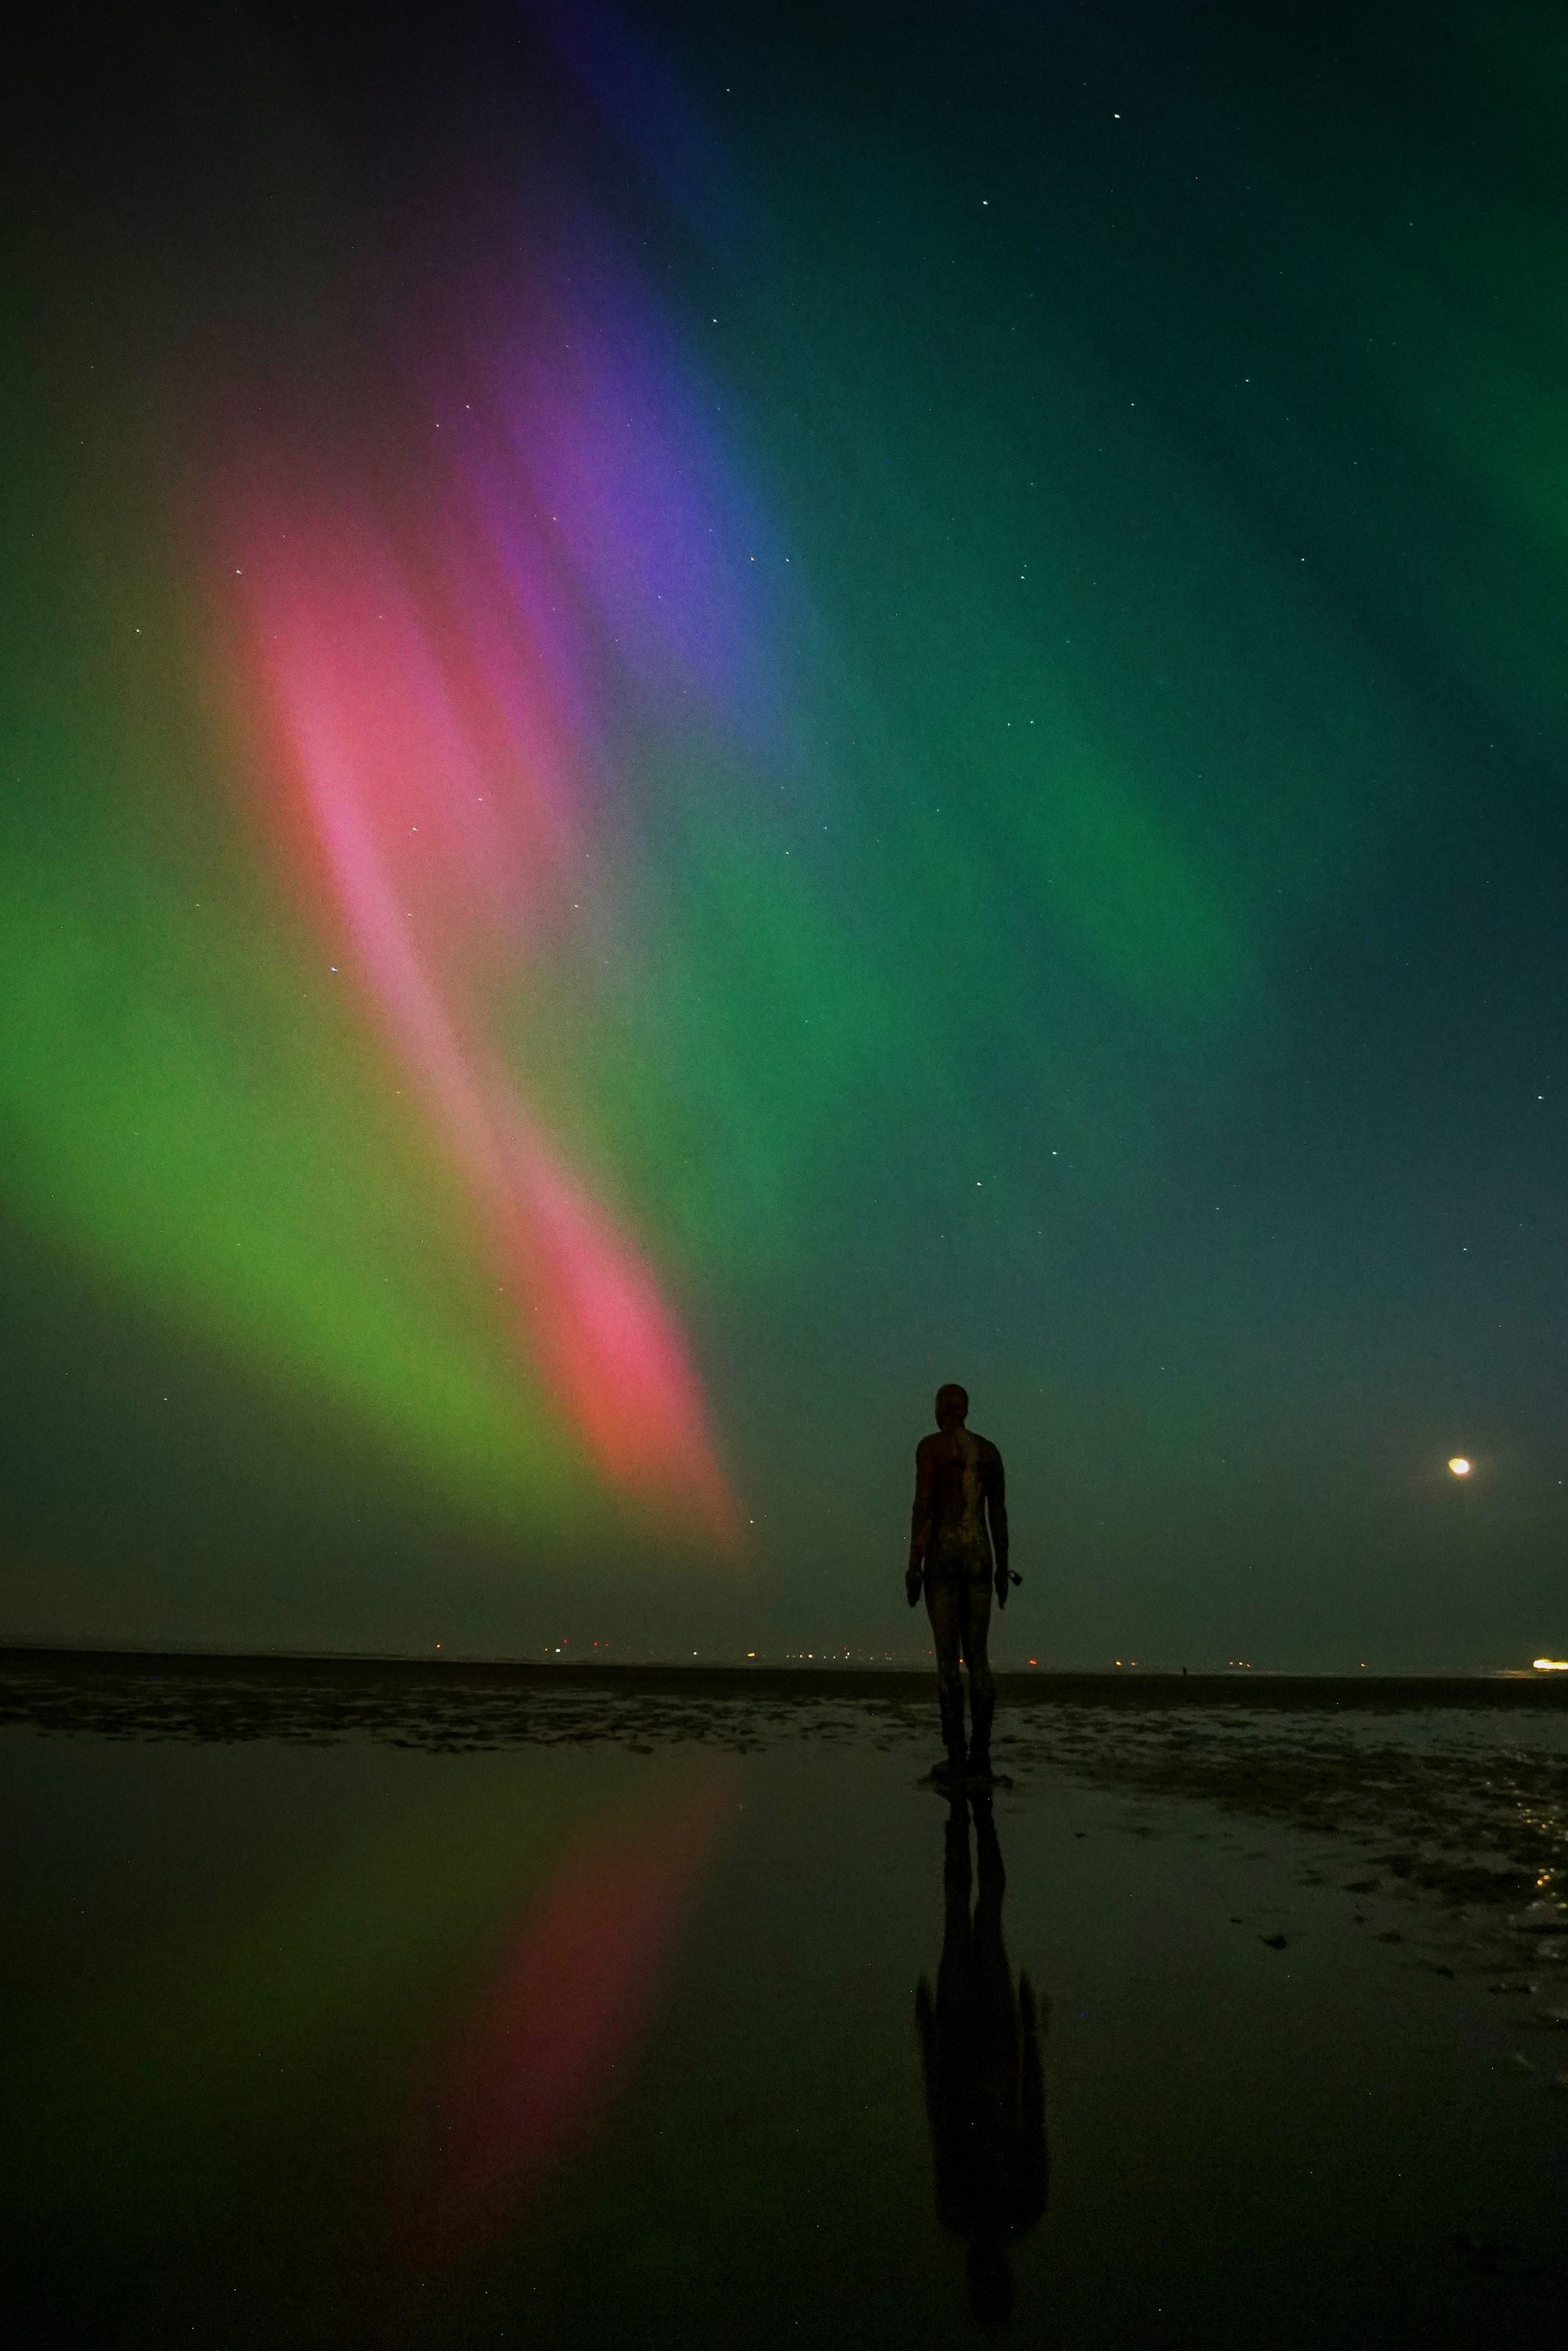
(1551, 1665)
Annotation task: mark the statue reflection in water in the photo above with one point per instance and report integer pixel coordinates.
(985, 2095)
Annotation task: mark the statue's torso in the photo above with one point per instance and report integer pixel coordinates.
(963, 1467)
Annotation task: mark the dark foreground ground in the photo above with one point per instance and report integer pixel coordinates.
(1435, 1762)
(388, 2003)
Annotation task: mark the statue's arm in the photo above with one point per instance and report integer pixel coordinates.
(920, 1519)
(997, 1511)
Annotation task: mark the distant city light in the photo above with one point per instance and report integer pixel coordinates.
(1552, 1665)
(1459, 1465)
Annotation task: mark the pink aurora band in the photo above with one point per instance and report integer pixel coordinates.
(527, 2081)
(435, 679)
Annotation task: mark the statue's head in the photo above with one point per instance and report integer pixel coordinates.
(951, 1405)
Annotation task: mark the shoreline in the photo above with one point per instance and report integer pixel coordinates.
(1136, 1687)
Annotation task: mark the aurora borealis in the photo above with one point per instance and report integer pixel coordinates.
(708, 718)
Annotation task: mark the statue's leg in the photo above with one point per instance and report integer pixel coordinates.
(975, 1628)
(945, 1607)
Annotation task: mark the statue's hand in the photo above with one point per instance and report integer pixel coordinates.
(1002, 1580)
(912, 1586)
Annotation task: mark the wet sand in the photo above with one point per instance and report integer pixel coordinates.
(294, 1947)
(1460, 1783)
(447, 1707)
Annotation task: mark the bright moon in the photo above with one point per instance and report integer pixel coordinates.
(1459, 1465)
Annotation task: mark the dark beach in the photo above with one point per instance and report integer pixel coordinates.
(384, 2001)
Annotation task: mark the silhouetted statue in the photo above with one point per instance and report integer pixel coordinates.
(959, 1480)
(985, 2094)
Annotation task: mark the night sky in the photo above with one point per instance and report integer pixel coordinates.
(710, 714)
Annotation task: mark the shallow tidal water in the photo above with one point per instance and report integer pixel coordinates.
(613, 2032)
